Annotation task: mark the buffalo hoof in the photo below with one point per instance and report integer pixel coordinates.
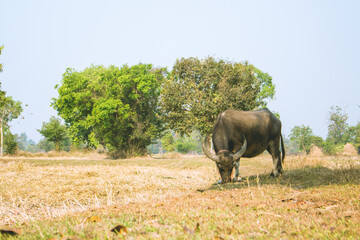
(275, 175)
(218, 182)
(237, 180)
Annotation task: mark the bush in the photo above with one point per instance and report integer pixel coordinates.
(10, 143)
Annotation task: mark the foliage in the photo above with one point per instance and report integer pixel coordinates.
(25, 144)
(22, 141)
(155, 147)
(267, 88)
(354, 135)
(303, 136)
(318, 141)
(1, 66)
(54, 132)
(329, 147)
(338, 126)
(113, 107)
(10, 144)
(196, 91)
(33, 148)
(174, 142)
(168, 142)
(45, 145)
(9, 110)
(185, 144)
(291, 146)
(339, 131)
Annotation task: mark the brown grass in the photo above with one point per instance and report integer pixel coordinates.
(315, 198)
(58, 155)
(30, 191)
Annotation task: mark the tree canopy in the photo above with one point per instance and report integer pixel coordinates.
(303, 137)
(54, 132)
(196, 91)
(9, 110)
(113, 107)
(338, 126)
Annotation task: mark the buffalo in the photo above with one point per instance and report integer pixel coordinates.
(247, 134)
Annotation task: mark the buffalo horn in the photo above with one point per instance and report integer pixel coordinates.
(207, 152)
(237, 155)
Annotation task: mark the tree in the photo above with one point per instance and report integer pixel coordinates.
(303, 137)
(10, 144)
(338, 126)
(185, 144)
(196, 91)
(113, 107)
(168, 142)
(318, 141)
(1, 66)
(22, 141)
(291, 146)
(45, 145)
(354, 134)
(54, 132)
(9, 110)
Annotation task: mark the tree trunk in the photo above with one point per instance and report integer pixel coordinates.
(57, 146)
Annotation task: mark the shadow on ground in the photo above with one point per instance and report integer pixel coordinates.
(304, 178)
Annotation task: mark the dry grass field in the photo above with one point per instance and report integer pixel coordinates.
(146, 198)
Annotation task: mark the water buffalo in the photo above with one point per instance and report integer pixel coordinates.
(245, 134)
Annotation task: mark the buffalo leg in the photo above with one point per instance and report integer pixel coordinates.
(237, 172)
(274, 150)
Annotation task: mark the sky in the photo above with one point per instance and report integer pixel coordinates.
(310, 48)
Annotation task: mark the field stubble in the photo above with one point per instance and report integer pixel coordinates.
(175, 198)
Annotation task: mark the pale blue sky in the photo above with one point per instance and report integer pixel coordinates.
(310, 48)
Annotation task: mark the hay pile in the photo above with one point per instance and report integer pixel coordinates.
(315, 151)
(349, 150)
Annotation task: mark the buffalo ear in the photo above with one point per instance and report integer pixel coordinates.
(207, 151)
(239, 153)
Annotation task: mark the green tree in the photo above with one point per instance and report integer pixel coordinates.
(318, 141)
(291, 146)
(303, 137)
(338, 126)
(10, 144)
(24, 142)
(113, 107)
(168, 142)
(329, 147)
(45, 145)
(54, 131)
(354, 134)
(9, 110)
(33, 148)
(185, 144)
(196, 91)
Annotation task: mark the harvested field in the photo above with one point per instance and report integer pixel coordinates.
(174, 198)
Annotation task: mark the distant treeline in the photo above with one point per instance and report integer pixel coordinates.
(131, 110)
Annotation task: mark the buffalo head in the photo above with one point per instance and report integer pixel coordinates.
(224, 159)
